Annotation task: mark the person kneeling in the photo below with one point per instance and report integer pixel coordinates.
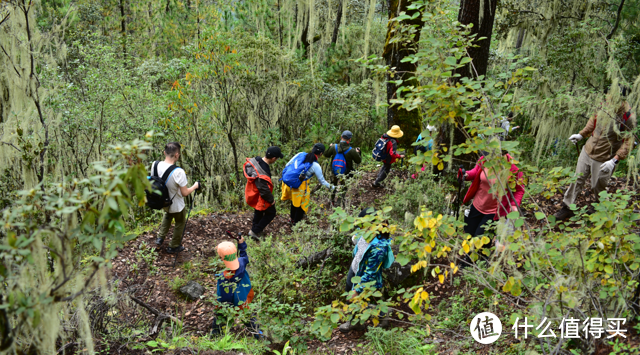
(369, 259)
(234, 285)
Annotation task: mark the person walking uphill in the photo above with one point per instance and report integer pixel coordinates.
(343, 157)
(386, 151)
(259, 189)
(234, 285)
(485, 207)
(302, 167)
(609, 143)
(176, 183)
(369, 259)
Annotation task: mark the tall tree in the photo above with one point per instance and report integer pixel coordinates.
(480, 14)
(398, 46)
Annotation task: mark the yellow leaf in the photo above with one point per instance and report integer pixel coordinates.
(427, 248)
(452, 114)
(432, 223)
(440, 166)
(441, 278)
(466, 248)
(424, 295)
(375, 321)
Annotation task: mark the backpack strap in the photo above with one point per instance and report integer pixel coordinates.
(167, 173)
(347, 151)
(154, 169)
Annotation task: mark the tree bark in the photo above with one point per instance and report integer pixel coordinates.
(409, 121)
(336, 28)
(123, 25)
(470, 14)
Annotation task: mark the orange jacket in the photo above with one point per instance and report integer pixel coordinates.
(253, 171)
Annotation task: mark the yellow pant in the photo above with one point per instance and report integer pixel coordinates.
(299, 197)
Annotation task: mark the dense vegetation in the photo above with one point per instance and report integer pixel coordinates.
(90, 91)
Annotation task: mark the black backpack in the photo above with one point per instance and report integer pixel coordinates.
(158, 197)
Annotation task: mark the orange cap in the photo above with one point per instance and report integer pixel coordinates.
(229, 254)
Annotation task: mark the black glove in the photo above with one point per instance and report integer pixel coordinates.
(199, 189)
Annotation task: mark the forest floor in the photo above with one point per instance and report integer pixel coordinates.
(156, 281)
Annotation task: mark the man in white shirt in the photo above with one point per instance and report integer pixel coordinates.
(177, 185)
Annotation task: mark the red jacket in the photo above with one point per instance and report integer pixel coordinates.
(391, 147)
(507, 201)
(251, 192)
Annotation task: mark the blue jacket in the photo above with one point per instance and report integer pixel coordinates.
(236, 288)
(377, 256)
(315, 169)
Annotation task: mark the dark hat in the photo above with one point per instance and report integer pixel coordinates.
(318, 148)
(347, 135)
(274, 152)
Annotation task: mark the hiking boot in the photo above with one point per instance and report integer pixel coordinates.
(384, 323)
(347, 327)
(175, 250)
(215, 328)
(159, 241)
(564, 213)
(377, 185)
(254, 236)
(465, 261)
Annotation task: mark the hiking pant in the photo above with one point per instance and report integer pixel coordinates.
(475, 225)
(384, 171)
(297, 214)
(261, 219)
(587, 167)
(178, 230)
(337, 181)
(350, 275)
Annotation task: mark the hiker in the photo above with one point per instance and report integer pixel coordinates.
(485, 207)
(234, 285)
(386, 151)
(369, 259)
(176, 184)
(428, 146)
(302, 167)
(343, 157)
(259, 190)
(506, 125)
(609, 142)
(423, 149)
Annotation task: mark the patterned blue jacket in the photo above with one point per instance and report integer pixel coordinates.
(377, 256)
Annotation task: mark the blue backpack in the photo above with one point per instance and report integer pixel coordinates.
(339, 163)
(295, 173)
(379, 151)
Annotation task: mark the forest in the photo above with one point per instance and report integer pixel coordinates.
(490, 151)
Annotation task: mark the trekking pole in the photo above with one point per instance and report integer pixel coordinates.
(461, 173)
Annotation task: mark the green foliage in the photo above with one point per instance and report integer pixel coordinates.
(400, 341)
(49, 231)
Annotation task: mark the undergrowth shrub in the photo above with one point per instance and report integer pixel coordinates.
(425, 190)
(399, 341)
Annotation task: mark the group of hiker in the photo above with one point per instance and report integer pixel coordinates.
(609, 141)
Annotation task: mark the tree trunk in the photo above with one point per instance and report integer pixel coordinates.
(336, 28)
(123, 25)
(409, 121)
(470, 14)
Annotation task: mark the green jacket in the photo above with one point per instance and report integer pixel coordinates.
(352, 156)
